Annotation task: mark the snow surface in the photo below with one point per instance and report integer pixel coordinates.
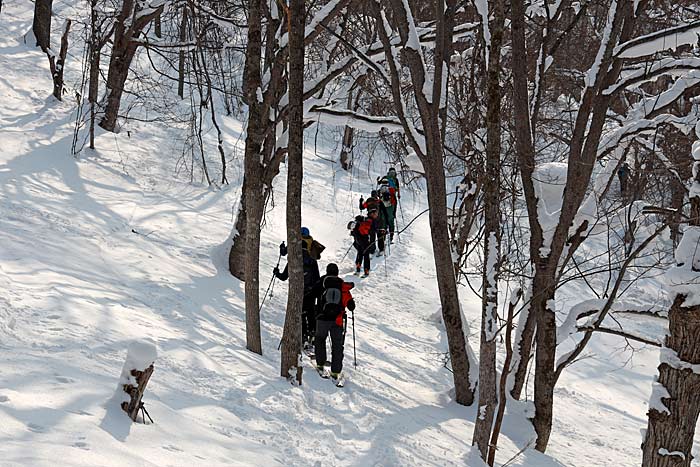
(114, 246)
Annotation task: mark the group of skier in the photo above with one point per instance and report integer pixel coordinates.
(326, 299)
(370, 232)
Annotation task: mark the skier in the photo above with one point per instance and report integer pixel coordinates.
(623, 173)
(388, 199)
(333, 295)
(378, 234)
(311, 277)
(382, 218)
(371, 202)
(362, 230)
(393, 180)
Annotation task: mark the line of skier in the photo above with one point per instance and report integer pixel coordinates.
(370, 232)
(327, 297)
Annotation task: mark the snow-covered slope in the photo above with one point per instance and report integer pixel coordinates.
(99, 250)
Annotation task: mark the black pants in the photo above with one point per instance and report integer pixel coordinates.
(362, 256)
(323, 328)
(308, 318)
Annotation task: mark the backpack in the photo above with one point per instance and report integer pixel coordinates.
(371, 203)
(312, 246)
(385, 193)
(364, 227)
(332, 298)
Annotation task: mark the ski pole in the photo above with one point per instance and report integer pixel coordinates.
(271, 286)
(354, 345)
(346, 253)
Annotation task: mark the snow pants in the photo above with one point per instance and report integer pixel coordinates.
(363, 254)
(308, 318)
(391, 213)
(323, 328)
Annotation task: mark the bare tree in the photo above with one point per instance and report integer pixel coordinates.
(130, 24)
(430, 100)
(291, 339)
(488, 398)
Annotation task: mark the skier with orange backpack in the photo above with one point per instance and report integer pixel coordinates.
(363, 230)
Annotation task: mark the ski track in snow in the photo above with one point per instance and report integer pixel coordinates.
(78, 285)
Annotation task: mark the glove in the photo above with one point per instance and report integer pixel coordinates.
(276, 271)
(399, 196)
(283, 250)
(362, 201)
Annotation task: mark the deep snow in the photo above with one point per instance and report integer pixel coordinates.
(111, 246)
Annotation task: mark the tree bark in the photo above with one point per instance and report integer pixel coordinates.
(526, 163)
(432, 158)
(95, 47)
(42, 24)
(128, 26)
(669, 436)
(447, 285)
(181, 53)
(57, 66)
(291, 339)
(492, 237)
(673, 429)
(252, 203)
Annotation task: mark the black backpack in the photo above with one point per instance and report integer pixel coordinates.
(332, 298)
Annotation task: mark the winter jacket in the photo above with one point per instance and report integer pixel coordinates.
(311, 274)
(364, 233)
(333, 313)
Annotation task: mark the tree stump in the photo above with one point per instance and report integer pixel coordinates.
(136, 373)
(136, 392)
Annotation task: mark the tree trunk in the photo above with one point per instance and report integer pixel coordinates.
(42, 24)
(236, 255)
(57, 66)
(546, 336)
(181, 54)
(346, 150)
(123, 50)
(348, 137)
(252, 203)
(291, 339)
(671, 428)
(675, 405)
(492, 238)
(526, 164)
(94, 86)
(447, 284)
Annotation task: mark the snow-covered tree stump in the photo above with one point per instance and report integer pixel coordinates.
(135, 376)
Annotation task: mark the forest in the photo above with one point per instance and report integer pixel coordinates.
(154, 153)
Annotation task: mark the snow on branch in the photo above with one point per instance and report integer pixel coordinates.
(593, 73)
(621, 333)
(670, 38)
(645, 74)
(319, 20)
(345, 117)
(482, 8)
